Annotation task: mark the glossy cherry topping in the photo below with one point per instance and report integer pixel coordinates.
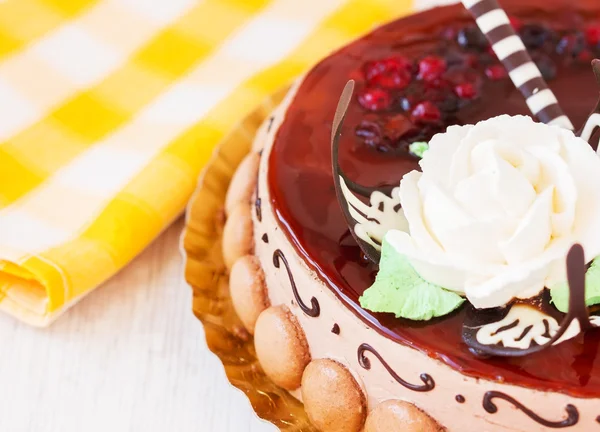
(391, 72)
(431, 87)
(592, 35)
(465, 90)
(496, 72)
(375, 99)
(414, 78)
(426, 112)
(431, 68)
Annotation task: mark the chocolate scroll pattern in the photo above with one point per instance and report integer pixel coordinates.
(365, 363)
(313, 311)
(492, 408)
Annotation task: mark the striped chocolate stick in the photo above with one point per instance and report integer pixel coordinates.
(510, 50)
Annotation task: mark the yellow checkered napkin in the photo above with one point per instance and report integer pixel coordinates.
(109, 110)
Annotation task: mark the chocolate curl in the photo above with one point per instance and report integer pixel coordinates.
(576, 271)
(363, 218)
(593, 121)
(338, 176)
(510, 50)
(578, 311)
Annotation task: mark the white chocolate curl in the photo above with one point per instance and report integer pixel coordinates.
(497, 206)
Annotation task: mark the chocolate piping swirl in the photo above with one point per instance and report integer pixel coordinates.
(492, 408)
(313, 311)
(578, 310)
(494, 23)
(365, 363)
(265, 238)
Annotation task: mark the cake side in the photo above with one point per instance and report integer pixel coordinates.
(304, 334)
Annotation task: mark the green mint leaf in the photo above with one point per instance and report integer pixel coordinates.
(398, 289)
(418, 148)
(560, 292)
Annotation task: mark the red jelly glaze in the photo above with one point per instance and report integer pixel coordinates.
(303, 195)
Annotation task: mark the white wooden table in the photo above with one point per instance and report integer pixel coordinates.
(130, 357)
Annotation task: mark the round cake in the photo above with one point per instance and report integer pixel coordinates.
(300, 280)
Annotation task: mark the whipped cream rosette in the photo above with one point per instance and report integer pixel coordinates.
(496, 208)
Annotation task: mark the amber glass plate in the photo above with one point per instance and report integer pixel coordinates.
(206, 274)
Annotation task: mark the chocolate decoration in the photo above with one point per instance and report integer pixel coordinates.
(588, 130)
(313, 311)
(335, 329)
(490, 407)
(524, 73)
(460, 399)
(265, 238)
(476, 319)
(365, 363)
(598, 419)
(336, 131)
(370, 251)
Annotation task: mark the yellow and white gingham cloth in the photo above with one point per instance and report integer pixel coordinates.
(110, 108)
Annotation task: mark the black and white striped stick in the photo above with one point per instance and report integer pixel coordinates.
(510, 50)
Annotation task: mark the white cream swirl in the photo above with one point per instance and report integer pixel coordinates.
(497, 206)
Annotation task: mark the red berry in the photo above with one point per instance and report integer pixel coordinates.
(391, 72)
(592, 35)
(496, 72)
(390, 64)
(393, 80)
(398, 63)
(465, 91)
(516, 23)
(374, 99)
(426, 112)
(373, 68)
(431, 68)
